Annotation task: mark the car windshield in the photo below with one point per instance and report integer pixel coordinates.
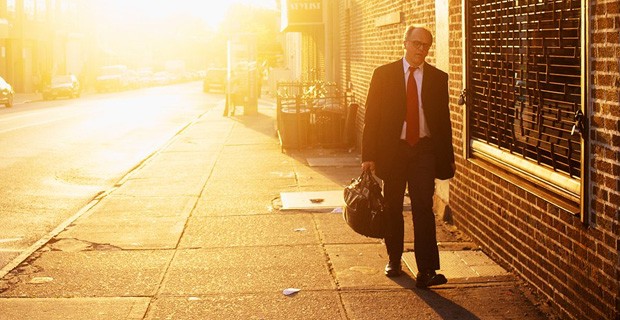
(61, 80)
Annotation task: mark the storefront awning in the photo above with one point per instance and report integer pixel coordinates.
(298, 15)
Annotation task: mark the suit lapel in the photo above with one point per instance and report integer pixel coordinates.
(399, 77)
(426, 87)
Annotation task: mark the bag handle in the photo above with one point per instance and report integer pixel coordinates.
(368, 179)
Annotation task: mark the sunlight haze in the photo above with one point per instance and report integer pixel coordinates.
(211, 12)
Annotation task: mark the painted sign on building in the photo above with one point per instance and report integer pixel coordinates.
(299, 13)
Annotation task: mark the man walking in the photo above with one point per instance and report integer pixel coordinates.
(407, 142)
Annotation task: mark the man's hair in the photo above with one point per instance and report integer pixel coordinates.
(413, 27)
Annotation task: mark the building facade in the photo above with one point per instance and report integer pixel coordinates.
(312, 48)
(538, 136)
(38, 39)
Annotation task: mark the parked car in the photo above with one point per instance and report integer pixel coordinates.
(162, 78)
(62, 86)
(215, 78)
(112, 78)
(6, 93)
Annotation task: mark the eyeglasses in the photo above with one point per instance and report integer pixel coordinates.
(419, 44)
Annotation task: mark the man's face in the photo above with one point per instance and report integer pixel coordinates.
(416, 46)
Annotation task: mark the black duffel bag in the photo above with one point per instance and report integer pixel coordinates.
(364, 206)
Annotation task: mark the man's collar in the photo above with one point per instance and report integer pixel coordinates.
(406, 65)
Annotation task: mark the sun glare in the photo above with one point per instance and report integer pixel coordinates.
(144, 33)
(211, 12)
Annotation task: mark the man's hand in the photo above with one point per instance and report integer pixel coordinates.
(368, 165)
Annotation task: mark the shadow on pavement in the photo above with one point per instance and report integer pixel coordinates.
(445, 308)
(264, 123)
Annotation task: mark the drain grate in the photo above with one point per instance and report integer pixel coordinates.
(334, 162)
(312, 200)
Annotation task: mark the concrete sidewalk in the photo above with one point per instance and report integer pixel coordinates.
(196, 232)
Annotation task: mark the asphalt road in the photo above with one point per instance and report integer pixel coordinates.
(56, 156)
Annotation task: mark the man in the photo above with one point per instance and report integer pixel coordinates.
(407, 142)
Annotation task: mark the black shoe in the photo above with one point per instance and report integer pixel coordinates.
(393, 269)
(428, 279)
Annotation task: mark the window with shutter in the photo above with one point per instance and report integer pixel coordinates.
(524, 88)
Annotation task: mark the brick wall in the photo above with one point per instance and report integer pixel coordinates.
(573, 267)
(605, 137)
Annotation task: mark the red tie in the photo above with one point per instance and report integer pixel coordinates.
(413, 117)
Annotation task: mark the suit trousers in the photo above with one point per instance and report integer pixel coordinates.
(415, 170)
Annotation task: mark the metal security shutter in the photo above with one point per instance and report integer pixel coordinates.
(524, 79)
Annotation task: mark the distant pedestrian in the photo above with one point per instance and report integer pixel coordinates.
(407, 142)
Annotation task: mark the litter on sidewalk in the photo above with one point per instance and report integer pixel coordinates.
(290, 291)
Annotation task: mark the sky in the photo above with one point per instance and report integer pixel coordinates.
(211, 11)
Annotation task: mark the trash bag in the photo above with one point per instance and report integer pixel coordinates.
(364, 206)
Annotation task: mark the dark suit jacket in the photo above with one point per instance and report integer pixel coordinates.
(386, 108)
